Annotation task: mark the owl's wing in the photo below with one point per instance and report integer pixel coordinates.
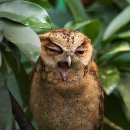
(99, 125)
(37, 67)
(94, 71)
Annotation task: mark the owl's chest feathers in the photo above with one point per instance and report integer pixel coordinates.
(69, 108)
(75, 103)
(69, 101)
(72, 105)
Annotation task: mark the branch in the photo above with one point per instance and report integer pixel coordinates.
(19, 115)
(111, 124)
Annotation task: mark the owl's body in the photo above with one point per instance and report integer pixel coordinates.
(65, 90)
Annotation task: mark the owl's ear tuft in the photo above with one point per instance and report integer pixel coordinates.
(87, 40)
(43, 37)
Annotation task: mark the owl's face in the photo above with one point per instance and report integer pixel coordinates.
(65, 51)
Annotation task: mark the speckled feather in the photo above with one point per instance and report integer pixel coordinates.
(73, 104)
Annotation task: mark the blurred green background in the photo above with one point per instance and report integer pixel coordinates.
(106, 22)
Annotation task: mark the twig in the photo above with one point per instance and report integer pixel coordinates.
(19, 115)
(111, 124)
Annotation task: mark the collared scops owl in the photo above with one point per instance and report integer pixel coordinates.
(66, 93)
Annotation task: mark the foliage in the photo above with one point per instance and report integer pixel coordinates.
(105, 22)
(19, 47)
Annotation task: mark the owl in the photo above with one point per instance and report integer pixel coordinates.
(66, 93)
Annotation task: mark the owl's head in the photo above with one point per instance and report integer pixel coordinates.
(67, 52)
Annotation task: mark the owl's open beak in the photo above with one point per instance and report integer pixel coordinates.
(68, 60)
(64, 67)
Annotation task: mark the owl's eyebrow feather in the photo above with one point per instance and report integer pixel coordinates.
(52, 46)
(81, 45)
(51, 42)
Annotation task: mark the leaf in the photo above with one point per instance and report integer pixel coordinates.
(0, 59)
(125, 67)
(1, 31)
(11, 123)
(1, 35)
(118, 22)
(76, 26)
(5, 105)
(20, 74)
(110, 78)
(104, 2)
(124, 35)
(4, 69)
(42, 3)
(122, 4)
(24, 38)
(89, 27)
(121, 58)
(15, 51)
(115, 106)
(2, 1)
(77, 10)
(27, 13)
(92, 29)
(13, 86)
(124, 89)
(7, 73)
(114, 51)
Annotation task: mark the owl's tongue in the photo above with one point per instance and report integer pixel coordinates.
(64, 69)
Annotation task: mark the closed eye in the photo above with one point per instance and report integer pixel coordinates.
(53, 48)
(79, 50)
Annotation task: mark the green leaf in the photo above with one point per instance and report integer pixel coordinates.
(118, 22)
(27, 13)
(2, 1)
(92, 29)
(104, 2)
(11, 123)
(60, 5)
(122, 4)
(77, 10)
(115, 106)
(1, 31)
(4, 68)
(5, 105)
(89, 28)
(114, 51)
(124, 67)
(0, 59)
(24, 38)
(1, 35)
(42, 3)
(15, 51)
(121, 58)
(14, 87)
(124, 89)
(20, 74)
(109, 78)
(76, 26)
(124, 35)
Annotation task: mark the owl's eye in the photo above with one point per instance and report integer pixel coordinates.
(53, 48)
(79, 51)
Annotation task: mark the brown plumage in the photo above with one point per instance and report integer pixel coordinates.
(65, 90)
